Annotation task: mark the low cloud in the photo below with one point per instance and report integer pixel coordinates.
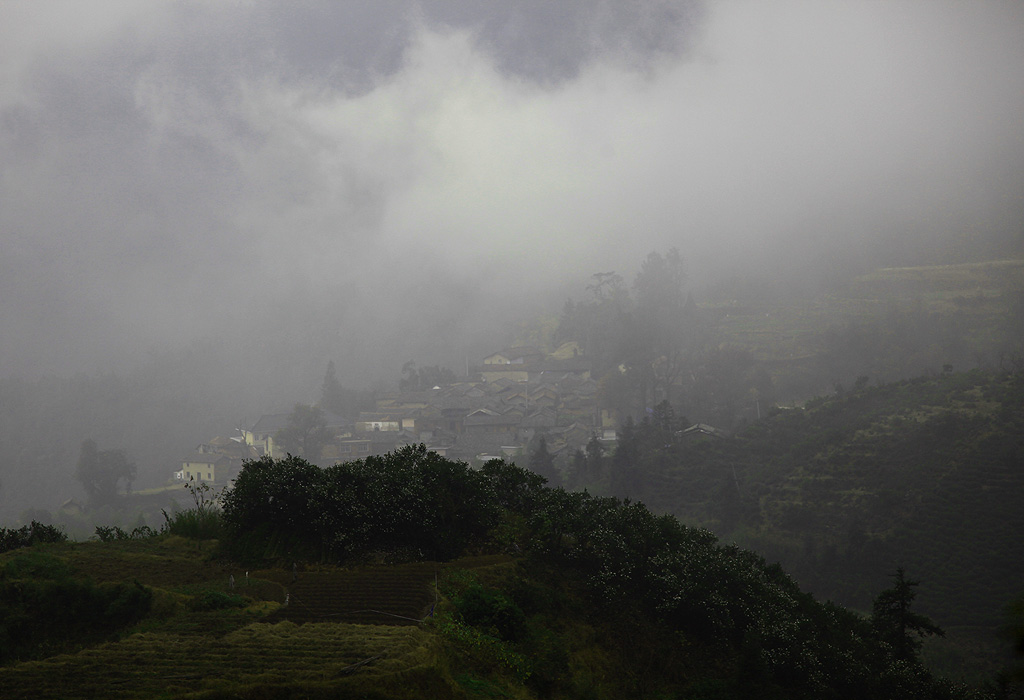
(390, 183)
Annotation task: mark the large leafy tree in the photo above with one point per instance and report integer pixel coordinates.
(101, 471)
(306, 432)
(895, 624)
(412, 500)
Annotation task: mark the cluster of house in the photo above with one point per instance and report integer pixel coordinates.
(495, 412)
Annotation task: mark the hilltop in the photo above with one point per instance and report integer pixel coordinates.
(923, 473)
(579, 597)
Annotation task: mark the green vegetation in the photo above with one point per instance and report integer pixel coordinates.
(411, 502)
(28, 535)
(744, 347)
(577, 597)
(203, 520)
(45, 609)
(888, 325)
(922, 473)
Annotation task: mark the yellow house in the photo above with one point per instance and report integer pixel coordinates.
(261, 436)
(211, 468)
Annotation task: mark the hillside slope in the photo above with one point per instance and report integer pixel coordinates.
(605, 600)
(927, 474)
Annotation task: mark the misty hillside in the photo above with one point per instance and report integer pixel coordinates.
(888, 324)
(758, 266)
(324, 583)
(922, 473)
(739, 348)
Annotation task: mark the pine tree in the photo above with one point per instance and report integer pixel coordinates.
(542, 462)
(595, 455)
(625, 462)
(332, 397)
(895, 624)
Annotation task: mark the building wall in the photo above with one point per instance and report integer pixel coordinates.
(202, 471)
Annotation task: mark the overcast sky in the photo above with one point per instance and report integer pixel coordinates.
(372, 174)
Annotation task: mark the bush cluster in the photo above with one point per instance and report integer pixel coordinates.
(113, 533)
(411, 499)
(633, 564)
(194, 524)
(44, 608)
(28, 535)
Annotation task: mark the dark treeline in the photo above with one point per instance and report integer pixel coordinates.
(640, 571)
(745, 348)
(922, 473)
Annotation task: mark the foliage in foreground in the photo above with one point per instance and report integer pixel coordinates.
(633, 568)
(44, 608)
(28, 535)
(411, 500)
(201, 522)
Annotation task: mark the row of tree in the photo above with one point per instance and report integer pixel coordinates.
(650, 343)
(413, 503)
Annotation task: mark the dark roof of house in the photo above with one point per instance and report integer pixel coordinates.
(704, 429)
(544, 418)
(392, 416)
(201, 458)
(516, 353)
(274, 422)
(467, 447)
(271, 423)
(485, 416)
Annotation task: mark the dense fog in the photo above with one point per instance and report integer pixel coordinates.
(205, 203)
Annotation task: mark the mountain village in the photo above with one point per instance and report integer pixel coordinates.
(515, 397)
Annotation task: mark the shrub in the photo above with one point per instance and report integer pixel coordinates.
(491, 611)
(194, 524)
(216, 600)
(44, 609)
(28, 535)
(411, 499)
(113, 533)
(204, 521)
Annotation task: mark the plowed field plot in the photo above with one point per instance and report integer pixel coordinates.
(382, 595)
(169, 666)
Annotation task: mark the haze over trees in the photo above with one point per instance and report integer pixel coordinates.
(806, 326)
(306, 432)
(103, 472)
(646, 576)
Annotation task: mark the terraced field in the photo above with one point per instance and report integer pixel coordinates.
(153, 665)
(356, 628)
(381, 595)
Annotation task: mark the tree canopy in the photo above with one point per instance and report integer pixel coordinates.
(634, 568)
(101, 471)
(306, 432)
(895, 624)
